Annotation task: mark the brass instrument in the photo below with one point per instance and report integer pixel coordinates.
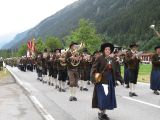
(62, 57)
(153, 28)
(76, 58)
(45, 54)
(138, 54)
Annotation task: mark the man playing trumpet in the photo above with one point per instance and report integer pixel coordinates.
(62, 70)
(72, 68)
(85, 68)
(133, 60)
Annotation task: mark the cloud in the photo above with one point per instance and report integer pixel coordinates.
(20, 15)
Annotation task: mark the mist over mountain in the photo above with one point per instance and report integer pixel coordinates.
(4, 39)
(119, 21)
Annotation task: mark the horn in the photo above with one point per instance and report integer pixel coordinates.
(153, 27)
(75, 53)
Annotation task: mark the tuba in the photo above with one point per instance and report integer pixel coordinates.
(76, 54)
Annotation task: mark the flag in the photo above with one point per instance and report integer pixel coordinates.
(29, 44)
(33, 45)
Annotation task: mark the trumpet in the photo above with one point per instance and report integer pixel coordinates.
(78, 48)
(153, 28)
(137, 54)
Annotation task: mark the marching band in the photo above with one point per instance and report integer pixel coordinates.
(77, 68)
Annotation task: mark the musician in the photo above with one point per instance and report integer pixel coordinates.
(50, 68)
(1, 64)
(39, 66)
(55, 65)
(23, 64)
(104, 91)
(72, 70)
(117, 65)
(155, 73)
(133, 60)
(29, 65)
(126, 71)
(62, 72)
(85, 68)
(44, 66)
(96, 54)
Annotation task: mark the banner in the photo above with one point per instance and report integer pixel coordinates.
(31, 47)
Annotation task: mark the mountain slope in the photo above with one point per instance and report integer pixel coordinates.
(123, 21)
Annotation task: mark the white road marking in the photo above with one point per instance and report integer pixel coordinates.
(35, 101)
(41, 109)
(30, 87)
(139, 101)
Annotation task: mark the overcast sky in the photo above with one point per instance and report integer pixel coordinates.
(20, 15)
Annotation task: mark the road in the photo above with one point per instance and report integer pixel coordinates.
(14, 104)
(144, 107)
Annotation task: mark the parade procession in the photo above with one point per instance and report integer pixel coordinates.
(74, 68)
(80, 60)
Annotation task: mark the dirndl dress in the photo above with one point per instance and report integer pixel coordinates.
(106, 94)
(155, 80)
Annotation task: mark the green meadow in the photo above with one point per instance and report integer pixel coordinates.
(4, 74)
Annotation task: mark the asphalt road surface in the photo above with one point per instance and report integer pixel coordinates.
(144, 107)
(14, 104)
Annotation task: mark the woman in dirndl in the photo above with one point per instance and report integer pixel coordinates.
(104, 91)
(155, 73)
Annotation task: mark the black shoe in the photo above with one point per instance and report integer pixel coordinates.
(134, 94)
(68, 83)
(130, 94)
(103, 116)
(127, 86)
(122, 83)
(71, 98)
(88, 83)
(156, 92)
(60, 90)
(63, 90)
(74, 99)
(49, 83)
(81, 88)
(56, 87)
(85, 89)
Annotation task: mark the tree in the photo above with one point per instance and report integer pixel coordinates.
(53, 43)
(86, 33)
(22, 50)
(40, 46)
